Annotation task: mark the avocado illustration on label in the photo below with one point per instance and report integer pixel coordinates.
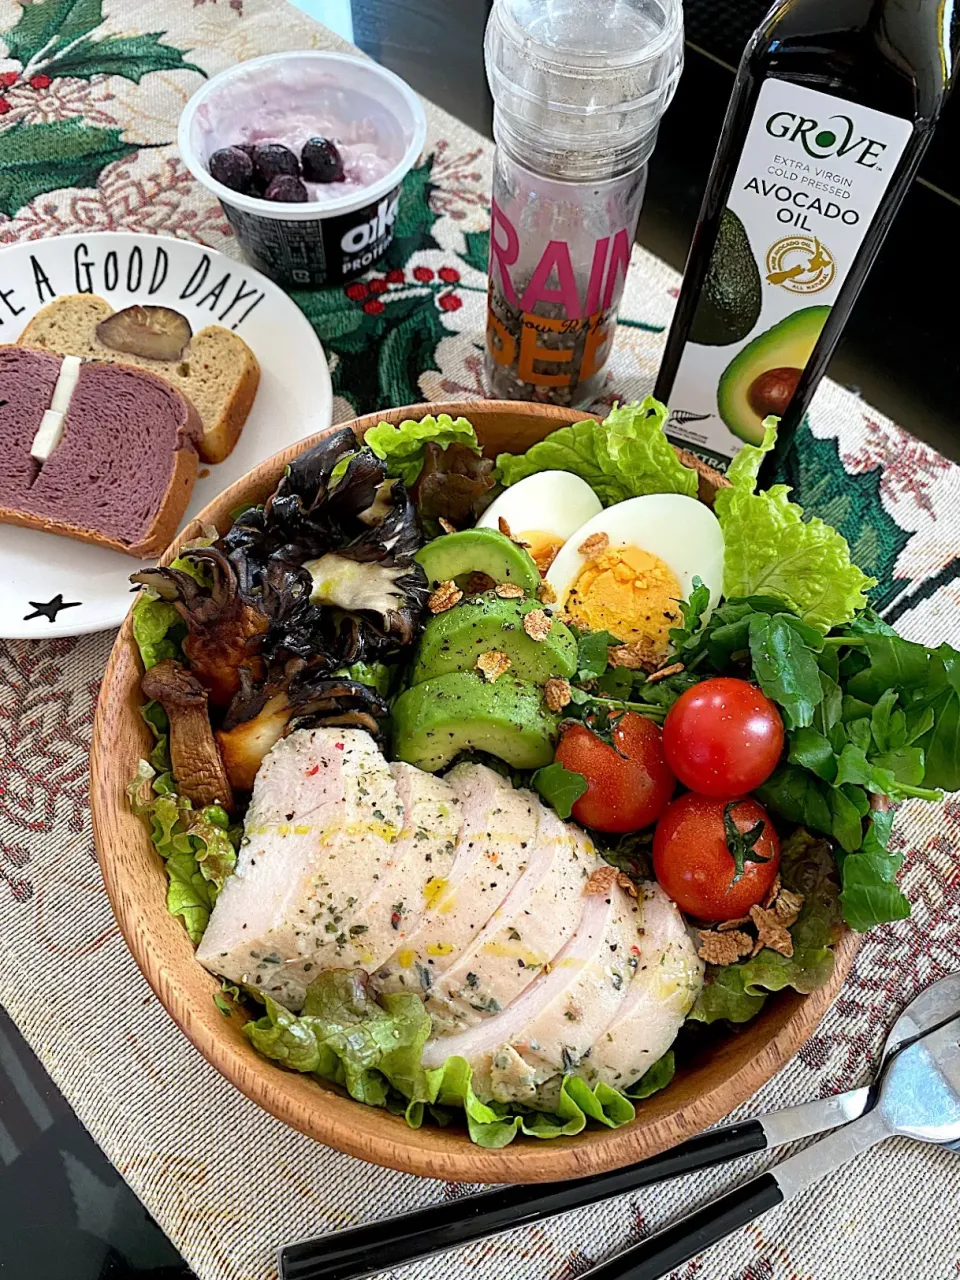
(729, 305)
(761, 379)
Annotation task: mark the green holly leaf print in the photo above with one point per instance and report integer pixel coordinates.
(476, 249)
(36, 158)
(413, 228)
(408, 349)
(57, 21)
(381, 344)
(851, 504)
(131, 57)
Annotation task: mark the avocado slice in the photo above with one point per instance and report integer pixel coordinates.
(435, 720)
(453, 641)
(731, 297)
(488, 551)
(760, 380)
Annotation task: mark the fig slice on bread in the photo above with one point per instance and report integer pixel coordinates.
(119, 471)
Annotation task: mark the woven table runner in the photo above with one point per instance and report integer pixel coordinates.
(226, 1181)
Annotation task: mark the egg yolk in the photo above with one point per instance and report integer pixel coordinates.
(630, 593)
(543, 548)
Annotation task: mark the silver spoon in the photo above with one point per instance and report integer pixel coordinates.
(930, 1009)
(378, 1246)
(919, 1098)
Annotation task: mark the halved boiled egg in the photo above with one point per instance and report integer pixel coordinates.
(625, 569)
(543, 510)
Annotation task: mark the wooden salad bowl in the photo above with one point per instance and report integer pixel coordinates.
(703, 1092)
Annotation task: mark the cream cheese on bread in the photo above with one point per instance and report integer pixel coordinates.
(50, 432)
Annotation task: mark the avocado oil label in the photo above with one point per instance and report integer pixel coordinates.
(811, 176)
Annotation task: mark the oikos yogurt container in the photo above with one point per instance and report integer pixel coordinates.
(375, 119)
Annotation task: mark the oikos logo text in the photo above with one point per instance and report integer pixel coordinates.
(365, 241)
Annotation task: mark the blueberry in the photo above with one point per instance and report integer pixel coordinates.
(232, 167)
(286, 187)
(321, 161)
(272, 160)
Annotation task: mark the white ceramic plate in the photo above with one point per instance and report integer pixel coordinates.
(51, 586)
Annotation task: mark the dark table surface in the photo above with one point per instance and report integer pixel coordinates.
(65, 1214)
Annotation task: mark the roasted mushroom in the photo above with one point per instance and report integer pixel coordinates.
(321, 576)
(196, 761)
(225, 626)
(300, 514)
(374, 583)
(158, 333)
(305, 703)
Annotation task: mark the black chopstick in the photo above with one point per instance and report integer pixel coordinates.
(378, 1246)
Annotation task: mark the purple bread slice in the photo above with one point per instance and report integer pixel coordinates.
(123, 471)
(27, 380)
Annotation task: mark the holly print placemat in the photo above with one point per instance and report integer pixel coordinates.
(90, 94)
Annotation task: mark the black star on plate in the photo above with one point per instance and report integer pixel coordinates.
(51, 608)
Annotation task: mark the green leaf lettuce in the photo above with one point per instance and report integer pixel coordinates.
(196, 845)
(373, 1049)
(402, 447)
(625, 456)
(158, 628)
(770, 549)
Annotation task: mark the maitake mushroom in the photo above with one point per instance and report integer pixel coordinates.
(320, 577)
(225, 626)
(196, 762)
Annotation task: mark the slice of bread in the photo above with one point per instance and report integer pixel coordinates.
(123, 469)
(217, 373)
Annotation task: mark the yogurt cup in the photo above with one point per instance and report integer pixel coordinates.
(287, 97)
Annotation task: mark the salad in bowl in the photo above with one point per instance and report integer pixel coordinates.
(478, 781)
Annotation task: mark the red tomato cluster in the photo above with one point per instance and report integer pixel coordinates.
(721, 739)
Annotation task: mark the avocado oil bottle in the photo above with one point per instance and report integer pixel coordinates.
(834, 104)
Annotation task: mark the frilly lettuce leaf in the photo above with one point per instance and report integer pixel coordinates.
(642, 454)
(197, 845)
(373, 1049)
(771, 550)
(625, 456)
(744, 470)
(158, 628)
(739, 991)
(402, 447)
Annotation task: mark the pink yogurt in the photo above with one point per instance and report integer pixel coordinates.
(367, 155)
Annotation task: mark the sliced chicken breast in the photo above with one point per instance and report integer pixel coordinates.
(498, 830)
(534, 921)
(422, 857)
(667, 977)
(322, 824)
(554, 1023)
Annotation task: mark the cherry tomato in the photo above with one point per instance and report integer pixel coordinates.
(627, 787)
(723, 737)
(693, 862)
